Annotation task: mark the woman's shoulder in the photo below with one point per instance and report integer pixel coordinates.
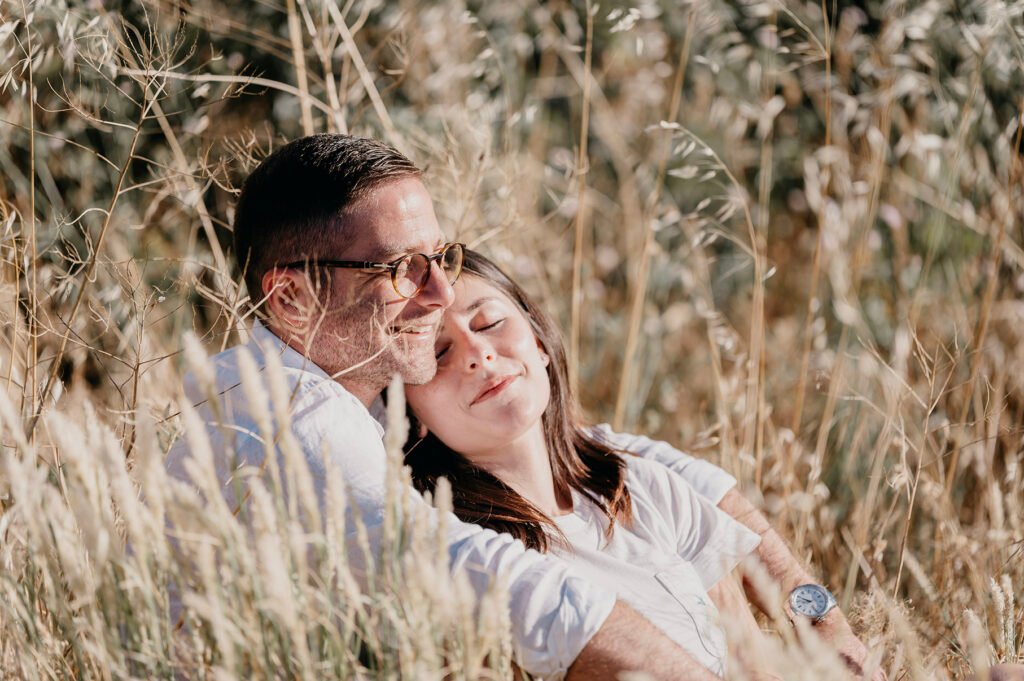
(642, 446)
(655, 483)
(626, 442)
(709, 480)
(644, 469)
(641, 469)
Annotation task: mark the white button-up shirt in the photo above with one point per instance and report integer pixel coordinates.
(554, 612)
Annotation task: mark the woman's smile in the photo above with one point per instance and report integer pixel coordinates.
(493, 388)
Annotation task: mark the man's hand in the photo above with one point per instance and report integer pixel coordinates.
(628, 642)
(787, 573)
(1002, 672)
(836, 631)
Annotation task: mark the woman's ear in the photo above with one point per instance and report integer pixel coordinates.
(543, 355)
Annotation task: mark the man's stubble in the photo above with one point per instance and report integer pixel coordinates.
(353, 344)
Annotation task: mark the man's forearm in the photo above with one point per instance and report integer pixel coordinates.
(773, 553)
(787, 572)
(729, 598)
(628, 642)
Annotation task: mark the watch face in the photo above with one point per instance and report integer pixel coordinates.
(809, 600)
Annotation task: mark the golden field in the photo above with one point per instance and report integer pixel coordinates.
(785, 236)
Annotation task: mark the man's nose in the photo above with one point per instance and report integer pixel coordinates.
(437, 292)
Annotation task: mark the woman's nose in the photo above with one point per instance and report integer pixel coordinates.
(477, 356)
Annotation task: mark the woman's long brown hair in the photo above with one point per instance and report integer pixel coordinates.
(579, 461)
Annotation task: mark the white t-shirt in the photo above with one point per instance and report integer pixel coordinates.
(676, 548)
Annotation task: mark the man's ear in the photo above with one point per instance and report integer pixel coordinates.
(290, 301)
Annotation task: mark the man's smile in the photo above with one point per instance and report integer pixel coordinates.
(417, 330)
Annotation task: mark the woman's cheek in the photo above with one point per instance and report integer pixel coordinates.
(447, 390)
(443, 396)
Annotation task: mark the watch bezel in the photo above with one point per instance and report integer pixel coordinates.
(830, 601)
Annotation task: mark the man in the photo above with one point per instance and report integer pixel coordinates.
(350, 273)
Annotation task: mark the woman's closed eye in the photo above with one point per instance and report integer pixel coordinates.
(491, 325)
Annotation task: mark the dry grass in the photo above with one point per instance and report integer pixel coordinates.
(785, 236)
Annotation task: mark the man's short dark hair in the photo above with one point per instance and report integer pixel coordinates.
(292, 205)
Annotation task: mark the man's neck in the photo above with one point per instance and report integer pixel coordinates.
(364, 392)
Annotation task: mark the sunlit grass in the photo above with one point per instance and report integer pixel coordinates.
(787, 237)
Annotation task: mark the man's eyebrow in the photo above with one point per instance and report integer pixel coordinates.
(394, 252)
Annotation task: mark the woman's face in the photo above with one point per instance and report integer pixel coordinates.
(491, 386)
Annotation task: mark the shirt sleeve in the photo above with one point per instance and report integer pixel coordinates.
(711, 540)
(708, 479)
(553, 612)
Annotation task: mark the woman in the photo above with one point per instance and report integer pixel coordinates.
(501, 424)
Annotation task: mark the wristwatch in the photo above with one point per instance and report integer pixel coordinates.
(812, 601)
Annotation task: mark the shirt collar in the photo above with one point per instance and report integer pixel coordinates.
(264, 340)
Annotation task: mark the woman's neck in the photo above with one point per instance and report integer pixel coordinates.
(525, 465)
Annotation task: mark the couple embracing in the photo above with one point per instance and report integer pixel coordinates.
(619, 552)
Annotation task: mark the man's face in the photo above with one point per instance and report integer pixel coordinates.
(368, 332)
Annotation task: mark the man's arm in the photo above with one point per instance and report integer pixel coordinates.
(628, 642)
(1002, 672)
(787, 573)
(717, 485)
(558, 619)
(731, 601)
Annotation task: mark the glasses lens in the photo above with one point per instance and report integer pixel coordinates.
(451, 262)
(411, 274)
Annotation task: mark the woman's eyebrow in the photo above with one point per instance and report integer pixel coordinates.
(479, 302)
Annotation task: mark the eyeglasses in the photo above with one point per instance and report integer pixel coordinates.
(410, 273)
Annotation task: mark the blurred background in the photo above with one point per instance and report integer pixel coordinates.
(784, 236)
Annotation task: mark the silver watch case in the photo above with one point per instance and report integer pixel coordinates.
(811, 601)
